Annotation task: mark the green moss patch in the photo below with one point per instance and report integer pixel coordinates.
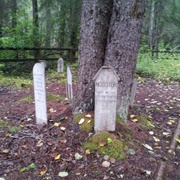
(145, 122)
(3, 123)
(105, 143)
(50, 97)
(88, 123)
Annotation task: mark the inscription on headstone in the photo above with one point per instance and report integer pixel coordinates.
(106, 82)
(60, 65)
(40, 93)
(133, 92)
(69, 84)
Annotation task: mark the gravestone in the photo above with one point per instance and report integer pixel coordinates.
(133, 92)
(60, 65)
(40, 93)
(69, 89)
(106, 83)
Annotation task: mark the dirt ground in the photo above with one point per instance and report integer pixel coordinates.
(23, 144)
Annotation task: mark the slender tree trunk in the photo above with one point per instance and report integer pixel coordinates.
(122, 47)
(151, 26)
(48, 27)
(93, 38)
(35, 28)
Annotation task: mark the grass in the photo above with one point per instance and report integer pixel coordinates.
(166, 68)
(15, 82)
(50, 97)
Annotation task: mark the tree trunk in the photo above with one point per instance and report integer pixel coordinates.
(151, 27)
(119, 48)
(122, 47)
(35, 28)
(93, 37)
(48, 26)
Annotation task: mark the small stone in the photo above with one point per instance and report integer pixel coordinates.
(63, 174)
(106, 164)
(106, 157)
(1, 178)
(112, 160)
(131, 152)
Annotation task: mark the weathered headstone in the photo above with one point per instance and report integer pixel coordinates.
(60, 65)
(69, 84)
(40, 93)
(133, 92)
(106, 82)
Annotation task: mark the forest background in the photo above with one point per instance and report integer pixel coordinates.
(56, 24)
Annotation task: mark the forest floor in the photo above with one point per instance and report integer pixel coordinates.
(28, 151)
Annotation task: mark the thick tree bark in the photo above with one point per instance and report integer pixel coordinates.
(93, 37)
(122, 47)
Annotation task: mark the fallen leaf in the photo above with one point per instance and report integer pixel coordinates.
(134, 120)
(63, 174)
(156, 139)
(89, 121)
(102, 144)
(88, 115)
(148, 147)
(40, 143)
(132, 116)
(57, 124)
(151, 152)
(78, 156)
(151, 132)
(52, 110)
(57, 157)
(157, 147)
(88, 151)
(177, 139)
(109, 140)
(62, 128)
(22, 169)
(43, 172)
(166, 133)
(81, 121)
(31, 166)
(5, 151)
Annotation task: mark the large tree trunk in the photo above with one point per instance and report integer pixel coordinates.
(93, 38)
(122, 47)
(118, 48)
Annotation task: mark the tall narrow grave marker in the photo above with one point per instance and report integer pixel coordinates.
(133, 92)
(60, 65)
(106, 82)
(40, 93)
(69, 84)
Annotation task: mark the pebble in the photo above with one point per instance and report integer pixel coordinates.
(106, 157)
(106, 164)
(112, 160)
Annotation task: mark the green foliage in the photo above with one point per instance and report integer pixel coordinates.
(163, 69)
(54, 97)
(105, 143)
(3, 123)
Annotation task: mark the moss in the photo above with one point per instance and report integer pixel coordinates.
(27, 98)
(145, 122)
(88, 122)
(14, 128)
(3, 123)
(115, 148)
(119, 120)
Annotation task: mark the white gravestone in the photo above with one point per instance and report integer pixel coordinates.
(69, 84)
(60, 65)
(133, 92)
(40, 93)
(106, 83)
